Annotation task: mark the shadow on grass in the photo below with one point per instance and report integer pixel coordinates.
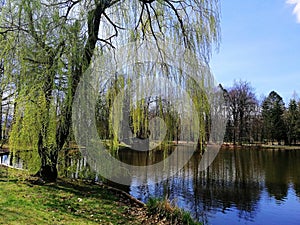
(83, 200)
(26, 199)
(4, 175)
(80, 188)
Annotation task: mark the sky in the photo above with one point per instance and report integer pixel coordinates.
(260, 44)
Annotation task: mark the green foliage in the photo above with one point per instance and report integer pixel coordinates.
(30, 117)
(272, 112)
(292, 120)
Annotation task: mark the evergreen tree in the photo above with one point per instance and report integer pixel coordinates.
(292, 116)
(272, 112)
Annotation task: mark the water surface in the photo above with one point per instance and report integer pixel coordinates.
(242, 186)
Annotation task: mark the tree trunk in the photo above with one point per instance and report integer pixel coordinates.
(48, 171)
(1, 95)
(49, 155)
(126, 136)
(6, 122)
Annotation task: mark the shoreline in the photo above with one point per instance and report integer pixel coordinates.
(257, 146)
(260, 147)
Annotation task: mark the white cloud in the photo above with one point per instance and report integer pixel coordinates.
(296, 10)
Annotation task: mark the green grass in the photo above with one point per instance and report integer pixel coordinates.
(165, 208)
(64, 202)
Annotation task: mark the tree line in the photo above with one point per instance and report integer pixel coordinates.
(267, 121)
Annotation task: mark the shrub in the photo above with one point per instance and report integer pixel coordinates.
(168, 209)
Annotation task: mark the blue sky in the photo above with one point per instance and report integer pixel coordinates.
(260, 44)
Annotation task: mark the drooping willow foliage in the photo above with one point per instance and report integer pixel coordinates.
(50, 44)
(148, 89)
(193, 24)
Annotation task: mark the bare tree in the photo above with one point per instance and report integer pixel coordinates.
(243, 105)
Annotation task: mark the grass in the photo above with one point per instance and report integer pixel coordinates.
(168, 209)
(23, 201)
(64, 202)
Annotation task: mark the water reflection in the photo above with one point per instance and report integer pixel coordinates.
(241, 186)
(7, 160)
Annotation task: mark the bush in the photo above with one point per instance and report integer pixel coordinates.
(169, 210)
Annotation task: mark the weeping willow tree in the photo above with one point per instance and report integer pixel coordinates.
(137, 99)
(55, 42)
(135, 116)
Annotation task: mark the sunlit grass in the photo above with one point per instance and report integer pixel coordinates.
(61, 203)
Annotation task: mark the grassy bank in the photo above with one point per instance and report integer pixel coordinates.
(24, 200)
(64, 202)
(170, 211)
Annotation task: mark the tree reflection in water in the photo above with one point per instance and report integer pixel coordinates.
(235, 181)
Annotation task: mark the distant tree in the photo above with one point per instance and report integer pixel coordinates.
(242, 104)
(298, 122)
(272, 112)
(257, 125)
(291, 118)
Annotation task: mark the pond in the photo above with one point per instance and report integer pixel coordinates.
(241, 186)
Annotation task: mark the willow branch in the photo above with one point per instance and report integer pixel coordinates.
(185, 37)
